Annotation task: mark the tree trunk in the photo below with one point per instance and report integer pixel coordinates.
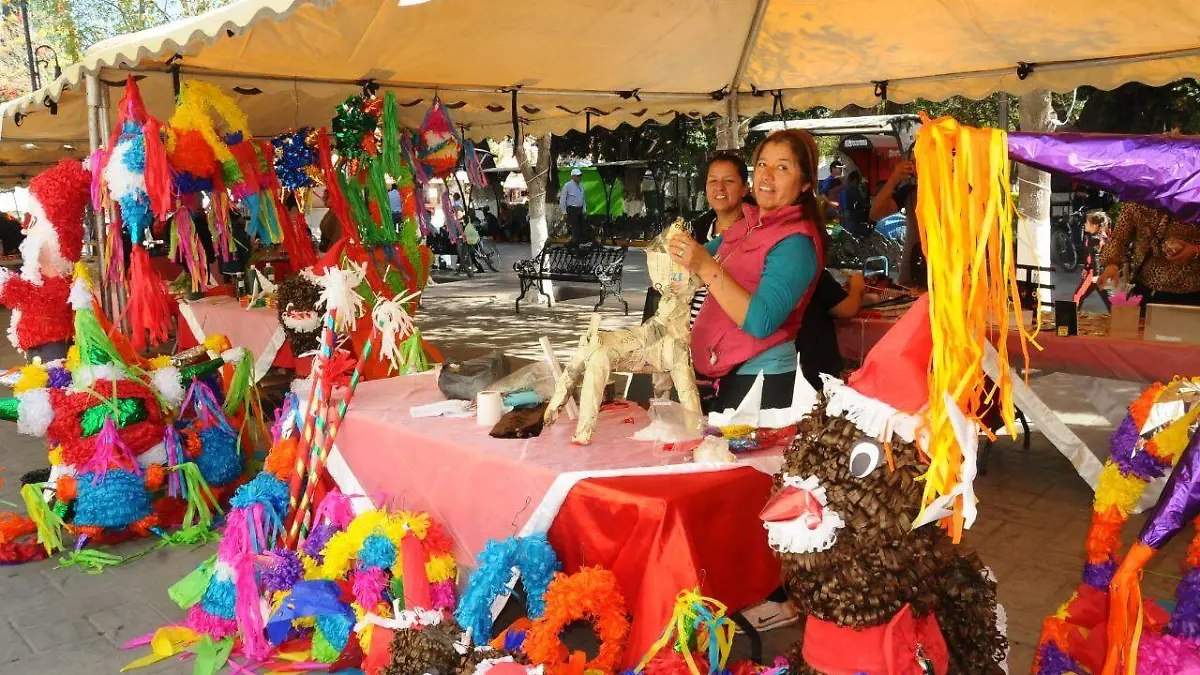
(1033, 188)
(536, 175)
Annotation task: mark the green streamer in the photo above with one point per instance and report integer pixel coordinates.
(49, 523)
(377, 188)
(240, 385)
(391, 136)
(95, 348)
(190, 590)
(211, 656)
(199, 513)
(92, 562)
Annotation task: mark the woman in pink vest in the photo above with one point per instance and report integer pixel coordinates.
(759, 274)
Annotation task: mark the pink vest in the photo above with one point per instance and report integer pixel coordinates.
(718, 344)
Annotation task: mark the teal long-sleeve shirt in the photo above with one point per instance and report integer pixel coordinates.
(791, 265)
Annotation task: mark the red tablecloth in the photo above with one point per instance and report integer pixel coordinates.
(680, 527)
(1130, 360)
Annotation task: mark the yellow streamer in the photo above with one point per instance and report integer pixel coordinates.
(690, 607)
(965, 213)
(167, 642)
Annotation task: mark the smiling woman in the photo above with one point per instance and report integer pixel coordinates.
(759, 273)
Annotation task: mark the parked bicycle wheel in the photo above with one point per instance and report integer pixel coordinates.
(1063, 249)
(490, 255)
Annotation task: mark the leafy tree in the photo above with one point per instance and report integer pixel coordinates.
(1137, 108)
(72, 26)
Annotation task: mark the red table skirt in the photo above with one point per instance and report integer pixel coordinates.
(663, 534)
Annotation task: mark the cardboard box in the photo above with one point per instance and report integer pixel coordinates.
(1173, 323)
(1124, 322)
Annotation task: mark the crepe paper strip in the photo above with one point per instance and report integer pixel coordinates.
(165, 642)
(967, 228)
(190, 590)
(1123, 299)
(49, 524)
(321, 454)
(93, 562)
(211, 656)
(693, 612)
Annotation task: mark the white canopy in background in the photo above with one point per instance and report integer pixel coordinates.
(604, 62)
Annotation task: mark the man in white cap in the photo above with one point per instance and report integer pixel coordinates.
(570, 199)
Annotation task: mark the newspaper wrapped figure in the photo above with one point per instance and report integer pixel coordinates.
(660, 347)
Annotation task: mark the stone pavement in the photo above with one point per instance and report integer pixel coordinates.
(1034, 510)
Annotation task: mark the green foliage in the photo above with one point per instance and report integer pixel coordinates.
(1137, 108)
(72, 26)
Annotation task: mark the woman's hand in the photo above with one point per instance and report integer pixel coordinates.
(1185, 253)
(1111, 273)
(689, 254)
(856, 284)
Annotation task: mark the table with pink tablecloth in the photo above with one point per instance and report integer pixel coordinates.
(485, 488)
(256, 329)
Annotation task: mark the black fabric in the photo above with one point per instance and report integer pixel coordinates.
(817, 341)
(10, 234)
(51, 351)
(857, 209)
(731, 389)
(1151, 296)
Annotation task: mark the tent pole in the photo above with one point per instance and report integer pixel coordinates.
(748, 46)
(98, 229)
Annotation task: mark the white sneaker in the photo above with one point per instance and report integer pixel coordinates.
(769, 615)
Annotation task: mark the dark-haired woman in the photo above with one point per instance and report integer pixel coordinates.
(727, 187)
(759, 274)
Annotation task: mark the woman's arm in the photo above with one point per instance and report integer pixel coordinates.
(853, 301)
(1117, 247)
(791, 265)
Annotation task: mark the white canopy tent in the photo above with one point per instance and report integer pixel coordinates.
(603, 62)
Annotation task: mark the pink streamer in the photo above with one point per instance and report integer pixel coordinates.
(140, 641)
(236, 538)
(249, 610)
(110, 453)
(336, 508)
(189, 252)
(96, 162)
(174, 458)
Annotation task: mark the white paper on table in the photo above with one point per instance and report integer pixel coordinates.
(451, 408)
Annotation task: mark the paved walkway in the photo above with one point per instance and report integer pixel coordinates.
(1034, 511)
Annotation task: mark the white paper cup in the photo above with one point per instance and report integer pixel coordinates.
(489, 407)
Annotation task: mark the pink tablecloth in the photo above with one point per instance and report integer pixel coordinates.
(255, 329)
(478, 486)
(1130, 360)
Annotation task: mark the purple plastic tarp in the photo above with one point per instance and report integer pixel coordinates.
(1159, 171)
(1180, 500)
